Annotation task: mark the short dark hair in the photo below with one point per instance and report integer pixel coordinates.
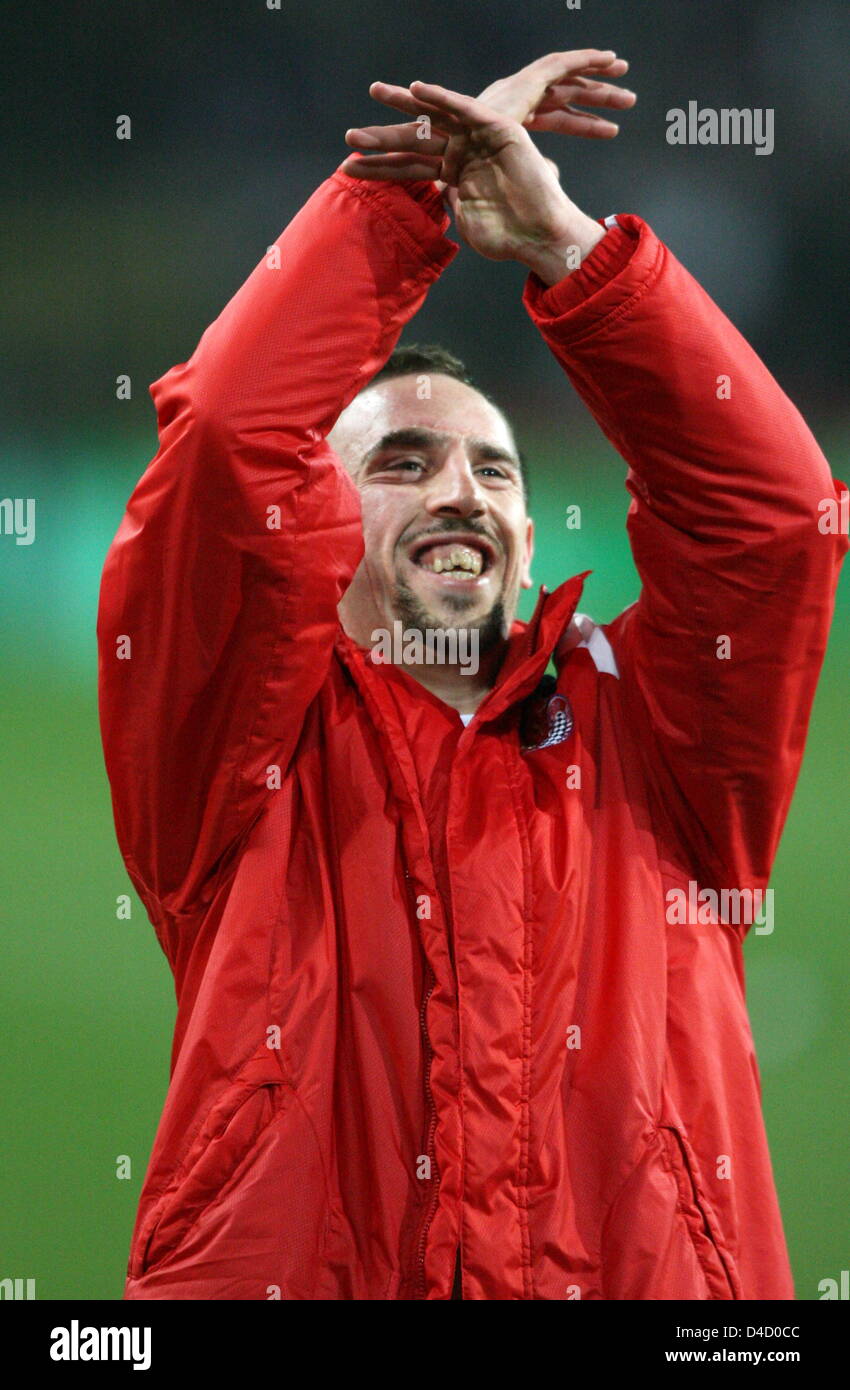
(425, 358)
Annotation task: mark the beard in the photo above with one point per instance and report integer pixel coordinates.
(491, 627)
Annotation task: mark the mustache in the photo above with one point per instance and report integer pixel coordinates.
(450, 528)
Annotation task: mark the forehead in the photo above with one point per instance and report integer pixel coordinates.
(433, 402)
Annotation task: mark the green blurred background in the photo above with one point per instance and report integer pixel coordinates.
(121, 254)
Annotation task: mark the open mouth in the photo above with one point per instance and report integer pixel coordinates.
(466, 557)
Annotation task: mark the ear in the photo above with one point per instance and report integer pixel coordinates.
(525, 572)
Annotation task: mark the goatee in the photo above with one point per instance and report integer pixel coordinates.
(491, 627)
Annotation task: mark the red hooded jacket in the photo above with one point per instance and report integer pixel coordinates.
(432, 1001)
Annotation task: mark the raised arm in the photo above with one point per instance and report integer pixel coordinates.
(219, 593)
(736, 521)
(733, 527)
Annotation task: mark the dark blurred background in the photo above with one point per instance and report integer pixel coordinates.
(118, 253)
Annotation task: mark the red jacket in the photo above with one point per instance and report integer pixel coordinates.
(430, 998)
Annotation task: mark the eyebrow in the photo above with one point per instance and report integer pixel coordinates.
(413, 437)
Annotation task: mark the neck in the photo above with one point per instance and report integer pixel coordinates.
(450, 664)
(459, 686)
(457, 664)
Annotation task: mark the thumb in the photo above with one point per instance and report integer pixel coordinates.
(450, 198)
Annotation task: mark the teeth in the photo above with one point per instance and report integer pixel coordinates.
(467, 560)
(460, 558)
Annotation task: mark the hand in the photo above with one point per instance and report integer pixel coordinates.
(540, 96)
(507, 200)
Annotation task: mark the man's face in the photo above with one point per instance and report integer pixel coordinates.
(448, 542)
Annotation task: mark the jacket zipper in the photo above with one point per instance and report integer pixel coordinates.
(429, 1145)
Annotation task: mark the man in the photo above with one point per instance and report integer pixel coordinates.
(442, 1021)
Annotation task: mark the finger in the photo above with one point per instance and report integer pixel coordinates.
(564, 72)
(555, 66)
(571, 67)
(410, 136)
(400, 99)
(391, 166)
(588, 94)
(452, 163)
(467, 112)
(618, 68)
(397, 159)
(584, 83)
(412, 173)
(573, 122)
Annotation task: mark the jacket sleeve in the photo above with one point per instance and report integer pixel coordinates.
(219, 594)
(733, 528)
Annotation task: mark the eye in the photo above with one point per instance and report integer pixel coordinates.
(492, 473)
(403, 464)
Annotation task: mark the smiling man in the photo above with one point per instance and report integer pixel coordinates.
(443, 1029)
(448, 542)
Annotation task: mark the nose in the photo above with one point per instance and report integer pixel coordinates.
(454, 489)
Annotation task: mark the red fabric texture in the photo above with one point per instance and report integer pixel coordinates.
(385, 928)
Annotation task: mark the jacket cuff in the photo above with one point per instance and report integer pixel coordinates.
(606, 279)
(416, 204)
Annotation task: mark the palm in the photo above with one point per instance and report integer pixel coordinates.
(485, 170)
(479, 216)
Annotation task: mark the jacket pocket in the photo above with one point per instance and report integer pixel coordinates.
(698, 1214)
(660, 1239)
(227, 1136)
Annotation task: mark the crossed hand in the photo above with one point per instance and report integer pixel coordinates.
(505, 196)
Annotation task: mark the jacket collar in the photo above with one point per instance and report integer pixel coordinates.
(530, 648)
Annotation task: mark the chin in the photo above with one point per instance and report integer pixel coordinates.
(422, 610)
(456, 610)
(460, 606)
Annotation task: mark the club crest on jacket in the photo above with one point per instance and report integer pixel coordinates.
(547, 718)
